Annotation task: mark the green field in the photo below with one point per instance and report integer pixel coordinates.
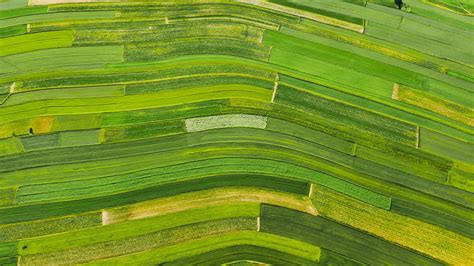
(236, 132)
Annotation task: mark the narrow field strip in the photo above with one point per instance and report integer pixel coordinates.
(59, 16)
(193, 80)
(208, 198)
(200, 246)
(199, 45)
(449, 109)
(10, 146)
(18, 12)
(13, 31)
(144, 73)
(64, 93)
(250, 254)
(224, 121)
(61, 140)
(46, 40)
(67, 58)
(36, 228)
(462, 177)
(446, 146)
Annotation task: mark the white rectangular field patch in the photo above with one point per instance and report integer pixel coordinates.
(224, 121)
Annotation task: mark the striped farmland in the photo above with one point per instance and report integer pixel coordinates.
(236, 132)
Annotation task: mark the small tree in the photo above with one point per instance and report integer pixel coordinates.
(399, 3)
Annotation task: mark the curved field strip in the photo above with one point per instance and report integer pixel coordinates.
(49, 17)
(10, 232)
(195, 247)
(46, 40)
(66, 58)
(236, 132)
(207, 198)
(250, 254)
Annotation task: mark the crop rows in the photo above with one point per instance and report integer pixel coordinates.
(248, 132)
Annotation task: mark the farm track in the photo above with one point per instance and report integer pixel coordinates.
(221, 132)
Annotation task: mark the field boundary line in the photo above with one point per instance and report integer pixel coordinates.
(417, 137)
(105, 217)
(311, 190)
(258, 224)
(174, 78)
(12, 87)
(354, 149)
(448, 176)
(311, 194)
(269, 53)
(11, 91)
(275, 88)
(395, 91)
(462, 6)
